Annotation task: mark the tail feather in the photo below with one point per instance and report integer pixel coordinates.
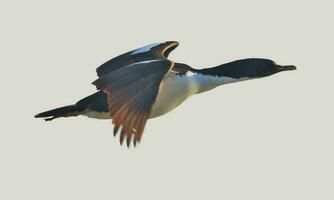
(66, 111)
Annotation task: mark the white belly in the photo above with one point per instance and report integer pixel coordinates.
(97, 115)
(174, 91)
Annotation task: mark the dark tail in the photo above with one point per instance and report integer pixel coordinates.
(66, 111)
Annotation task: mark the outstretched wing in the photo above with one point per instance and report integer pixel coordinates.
(149, 52)
(132, 91)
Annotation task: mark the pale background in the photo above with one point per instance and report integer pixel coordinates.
(263, 139)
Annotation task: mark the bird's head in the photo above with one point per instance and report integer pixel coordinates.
(253, 68)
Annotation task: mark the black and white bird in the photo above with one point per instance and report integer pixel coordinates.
(144, 83)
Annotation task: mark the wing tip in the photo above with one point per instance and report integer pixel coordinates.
(169, 47)
(172, 43)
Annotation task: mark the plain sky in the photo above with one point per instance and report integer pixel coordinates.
(269, 138)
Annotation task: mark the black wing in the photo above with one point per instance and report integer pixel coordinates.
(149, 52)
(132, 91)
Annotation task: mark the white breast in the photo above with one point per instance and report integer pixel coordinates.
(175, 89)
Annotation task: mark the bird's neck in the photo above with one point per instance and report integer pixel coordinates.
(207, 82)
(210, 78)
(231, 70)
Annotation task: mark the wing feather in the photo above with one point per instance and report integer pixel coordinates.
(131, 92)
(149, 52)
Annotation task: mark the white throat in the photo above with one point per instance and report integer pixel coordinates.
(206, 82)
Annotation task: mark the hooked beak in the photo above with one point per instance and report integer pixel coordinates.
(286, 68)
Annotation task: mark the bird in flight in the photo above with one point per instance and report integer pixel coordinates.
(144, 84)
